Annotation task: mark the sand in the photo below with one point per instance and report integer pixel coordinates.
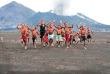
(14, 59)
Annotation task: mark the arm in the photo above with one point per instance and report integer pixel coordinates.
(18, 26)
(76, 34)
(30, 25)
(86, 32)
(92, 32)
(71, 26)
(38, 30)
(62, 24)
(55, 30)
(37, 33)
(39, 23)
(77, 25)
(30, 29)
(48, 23)
(54, 23)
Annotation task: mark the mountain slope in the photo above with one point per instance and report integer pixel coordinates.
(14, 13)
(78, 18)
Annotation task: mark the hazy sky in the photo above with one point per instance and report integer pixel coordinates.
(98, 10)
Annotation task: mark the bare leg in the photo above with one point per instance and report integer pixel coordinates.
(70, 42)
(28, 40)
(43, 41)
(25, 45)
(59, 44)
(51, 42)
(35, 43)
(90, 40)
(62, 43)
(66, 44)
(84, 44)
(22, 43)
(76, 42)
(47, 43)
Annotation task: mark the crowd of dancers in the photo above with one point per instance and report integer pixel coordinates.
(64, 34)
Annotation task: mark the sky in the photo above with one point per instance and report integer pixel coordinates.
(98, 10)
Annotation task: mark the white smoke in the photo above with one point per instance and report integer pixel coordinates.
(61, 7)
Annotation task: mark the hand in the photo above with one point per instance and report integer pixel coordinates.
(49, 21)
(40, 21)
(54, 20)
(73, 24)
(18, 23)
(76, 23)
(60, 21)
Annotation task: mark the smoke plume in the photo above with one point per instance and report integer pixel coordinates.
(60, 7)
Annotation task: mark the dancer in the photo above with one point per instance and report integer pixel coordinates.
(83, 35)
(27, 33)
(34, 35)
(51, 34)
(66, 28)
(59, 32)
(89, 37)
(23, 34)
(42, 31)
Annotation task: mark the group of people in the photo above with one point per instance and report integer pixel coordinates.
(64, 35)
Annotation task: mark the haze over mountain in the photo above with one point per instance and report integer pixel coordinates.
(14, 13)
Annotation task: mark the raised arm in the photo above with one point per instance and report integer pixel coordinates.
(62, 23)
(54, 23)
(30, 25)
(38, 33)
(48, 23)
(71, 26)
(39, 23)
(30, 29)
(38, 30)
(18, 26)
(77, 26)
(92, 32)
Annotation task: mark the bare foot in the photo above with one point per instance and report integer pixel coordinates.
(22, 45)
(85, 48)
(35, 46)
(44, 45)
(70, 45)
(25, 47)
(67, 47)
(48, 45)
(52, 45)
(58, 45)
